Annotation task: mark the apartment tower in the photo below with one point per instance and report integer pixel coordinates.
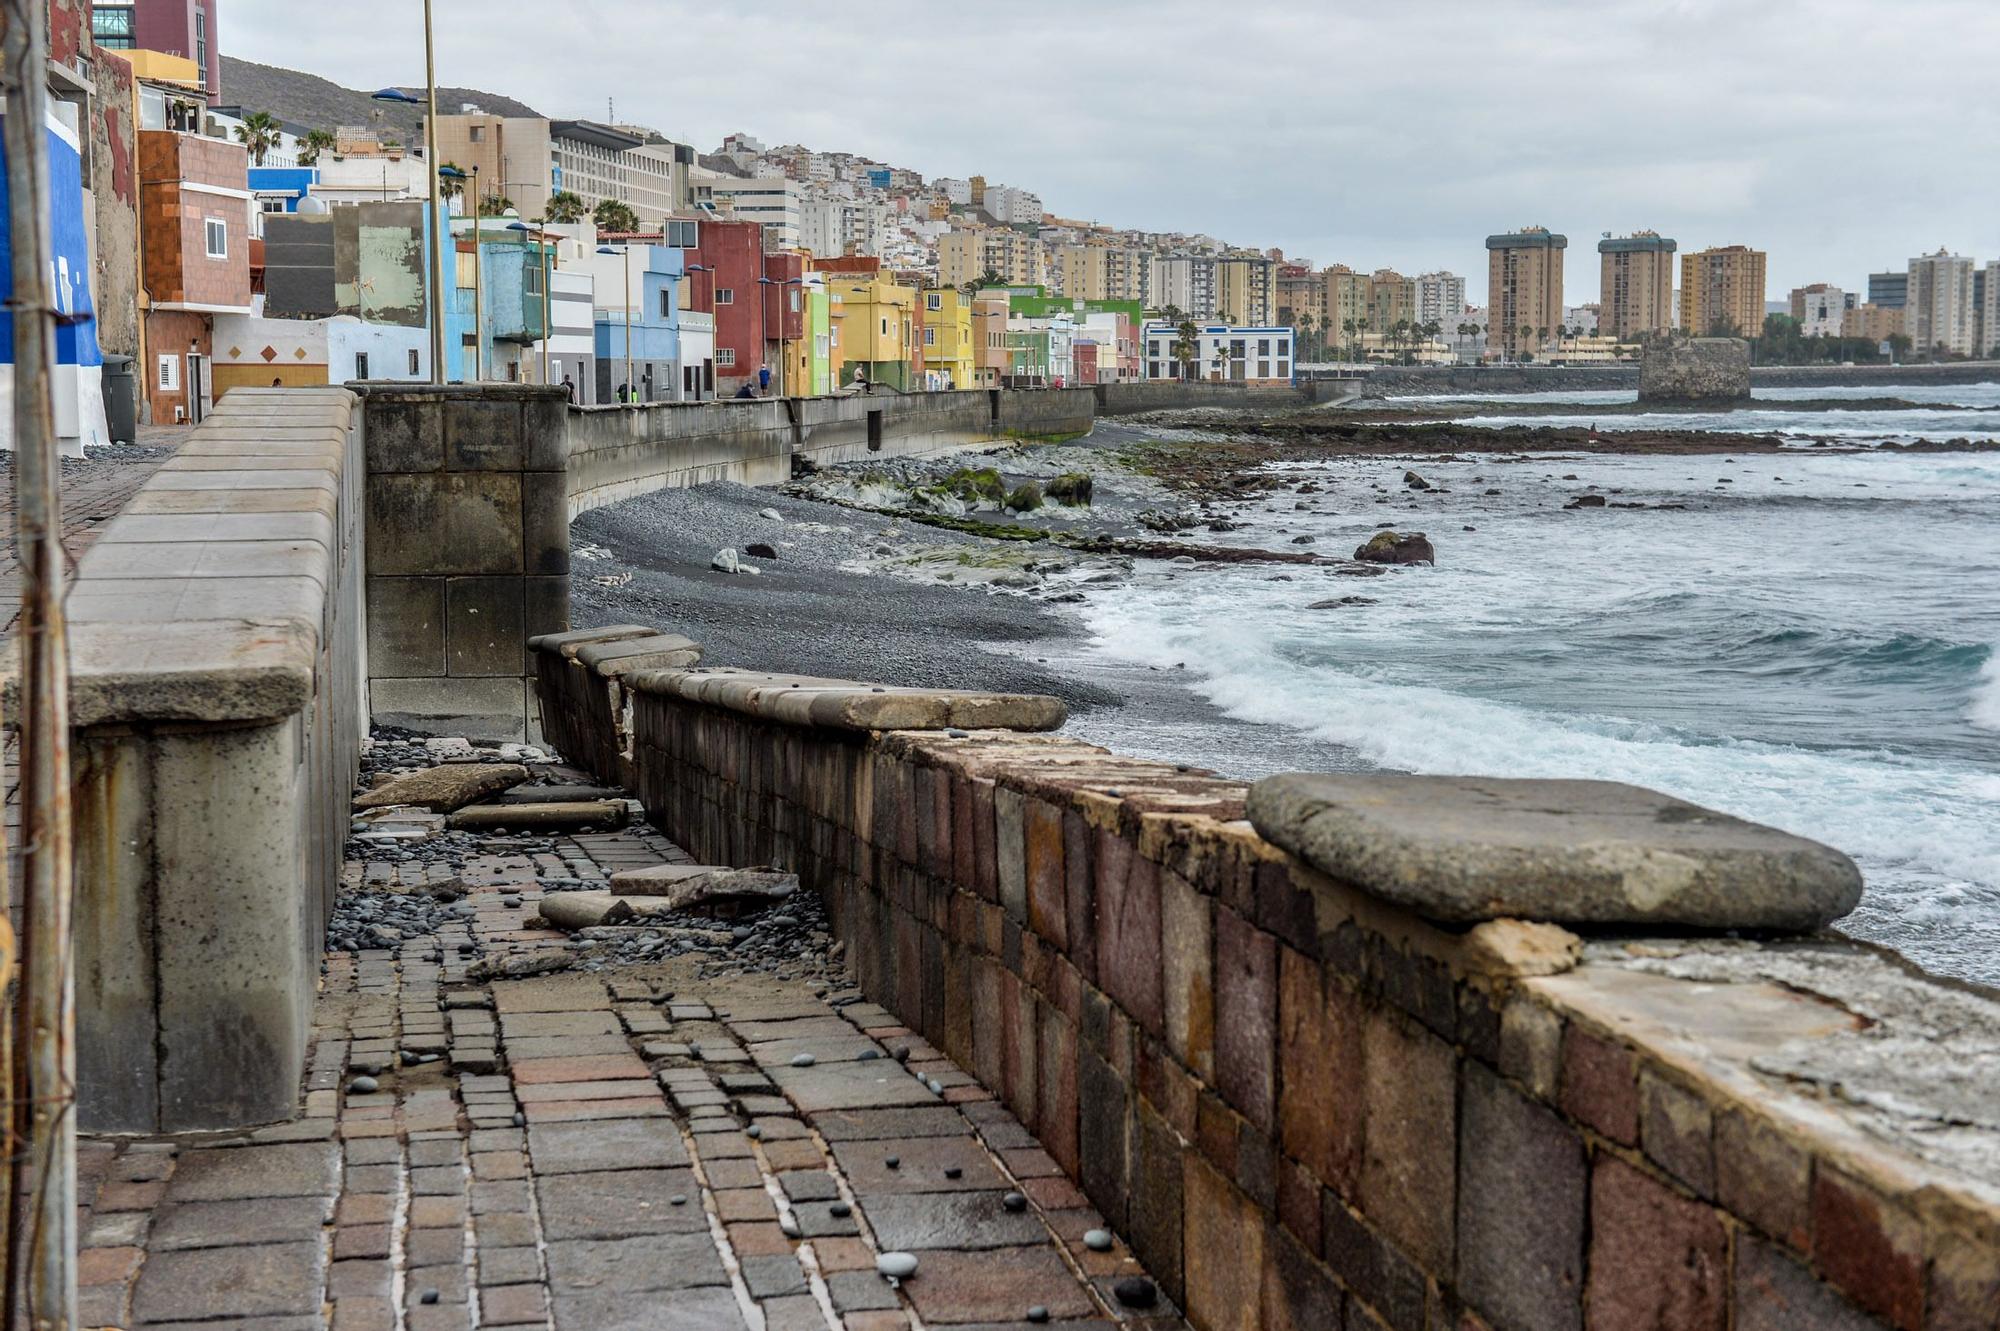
(1722, 292)
(1636, 285)
(1940, 313)
(1524, 288)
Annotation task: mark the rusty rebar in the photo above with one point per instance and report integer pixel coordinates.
(46, 1011)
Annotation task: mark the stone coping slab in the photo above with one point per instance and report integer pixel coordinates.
(174, 617)
(1466, 849)
(568, 644)
(653, 652)
(838, 704)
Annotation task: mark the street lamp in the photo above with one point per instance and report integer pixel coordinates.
(714, 313)
(779, 285)
(429, 103)
(547, 259)
(625, 250)
(478, 286)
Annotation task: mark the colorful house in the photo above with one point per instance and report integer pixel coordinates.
(79, 364)
(948, 349)
(654, 370)
(873, 321)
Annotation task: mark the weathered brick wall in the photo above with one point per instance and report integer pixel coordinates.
(1306, 1109)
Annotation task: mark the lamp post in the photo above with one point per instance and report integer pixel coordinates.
(714, 314)
(547, 259)
(429, 103)
(625, 250)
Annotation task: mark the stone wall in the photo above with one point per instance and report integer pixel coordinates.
(1706, 369)
(218, 704)
(1306, 1108)
(468, 551)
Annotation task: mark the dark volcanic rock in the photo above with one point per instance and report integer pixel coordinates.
(1388, 547)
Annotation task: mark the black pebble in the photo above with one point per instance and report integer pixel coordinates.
(1136, 1292)
(1014, 1201)
(840, 1210)
(954, 1173)
(894, 1162)
(1038, 1314)
(430, 1296)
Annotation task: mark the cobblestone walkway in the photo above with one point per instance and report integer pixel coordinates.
(634, 1147)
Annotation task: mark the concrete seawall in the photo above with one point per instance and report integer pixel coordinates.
(218, 701)
(1306, 1107)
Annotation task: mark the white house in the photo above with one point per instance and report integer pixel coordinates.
(1257, 356)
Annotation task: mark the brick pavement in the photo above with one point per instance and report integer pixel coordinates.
(638, 1147)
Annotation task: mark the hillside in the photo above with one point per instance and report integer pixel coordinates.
(306, 101)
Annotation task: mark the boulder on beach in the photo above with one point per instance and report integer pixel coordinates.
(760, 550)
(725, 561)
(1586, 501)
(1072, 488)
(1388, 547)
(1025, 497)
(1337, 602)
(1415, 482)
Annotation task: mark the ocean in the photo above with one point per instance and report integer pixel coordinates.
(1810, 639)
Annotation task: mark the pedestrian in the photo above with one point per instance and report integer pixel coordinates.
(624, 391)
(746, 390)
(569, 389)
(764, 380)
(861, 384)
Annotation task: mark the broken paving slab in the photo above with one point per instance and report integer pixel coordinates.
(1466, 849)
(445, 788)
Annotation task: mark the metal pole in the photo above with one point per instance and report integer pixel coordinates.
(46, 1011)
(631, 384)
(431, 161)
(548, 276)
(478, 287)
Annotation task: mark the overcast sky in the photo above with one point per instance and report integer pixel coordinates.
(1841, 136)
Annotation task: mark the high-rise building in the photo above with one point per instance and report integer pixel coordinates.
(525, 159)
(1186, 282)
(1246, 289)
(1524, 289)
(1889, 291)
(1939, 316)
(1441, 299)
(1722, 292)
(967, 254)
(1989, 312)
(1392, 299)
(1636, 285)
(1821, 309)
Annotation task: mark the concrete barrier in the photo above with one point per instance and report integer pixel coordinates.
(218, 700)
(468, 550)
(1306, 1107)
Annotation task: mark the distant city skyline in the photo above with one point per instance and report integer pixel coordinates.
(1835, 135)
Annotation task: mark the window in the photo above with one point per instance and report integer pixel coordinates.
(414, 368)
(725, 356)
(218, 237)
(360, 365)
(1263, 369)
(666, 303)
(1263, 346)
(684, 235)
(273, 205)
(933, 301)
(795, 302)
(1284, 370)
(112, 27)
(170, 374)
(477, 133)
(930, 337)
(725, 295)
(885, 328)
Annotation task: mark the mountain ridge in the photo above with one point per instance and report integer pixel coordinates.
(303, 101)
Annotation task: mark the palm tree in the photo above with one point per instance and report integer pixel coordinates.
(991, 278)
(1187, 347)
(495, 205)
(451, 181)
(615, 215)
(1347, 326)
(1526, 331)
(565, 207)
(259, 133)
(312, 144)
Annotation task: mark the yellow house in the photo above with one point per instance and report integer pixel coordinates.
(873, 328)
(947, 343)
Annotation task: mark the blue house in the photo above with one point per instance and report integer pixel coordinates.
(280, 188)
(654, 366)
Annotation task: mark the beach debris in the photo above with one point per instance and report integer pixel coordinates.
(445, 788)
(725, 561)
(769, 515)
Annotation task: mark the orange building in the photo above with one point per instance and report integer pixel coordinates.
(194, 262)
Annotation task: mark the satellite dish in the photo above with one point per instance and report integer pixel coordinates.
(314, 206)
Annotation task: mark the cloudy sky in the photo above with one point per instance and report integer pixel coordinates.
(1841, 136)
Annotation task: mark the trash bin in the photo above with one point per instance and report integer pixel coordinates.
(121, 399)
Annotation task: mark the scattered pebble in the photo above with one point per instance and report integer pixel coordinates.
(803, 1060)
(1136, 1292)
(897, 1265)
(1097, 1240)
(1014, 1201)
(363, 1085)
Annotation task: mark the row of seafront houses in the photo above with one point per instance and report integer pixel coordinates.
(203, 273)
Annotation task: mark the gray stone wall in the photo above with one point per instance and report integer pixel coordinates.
(217, 706)
(468, 551)
(1707, 369)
